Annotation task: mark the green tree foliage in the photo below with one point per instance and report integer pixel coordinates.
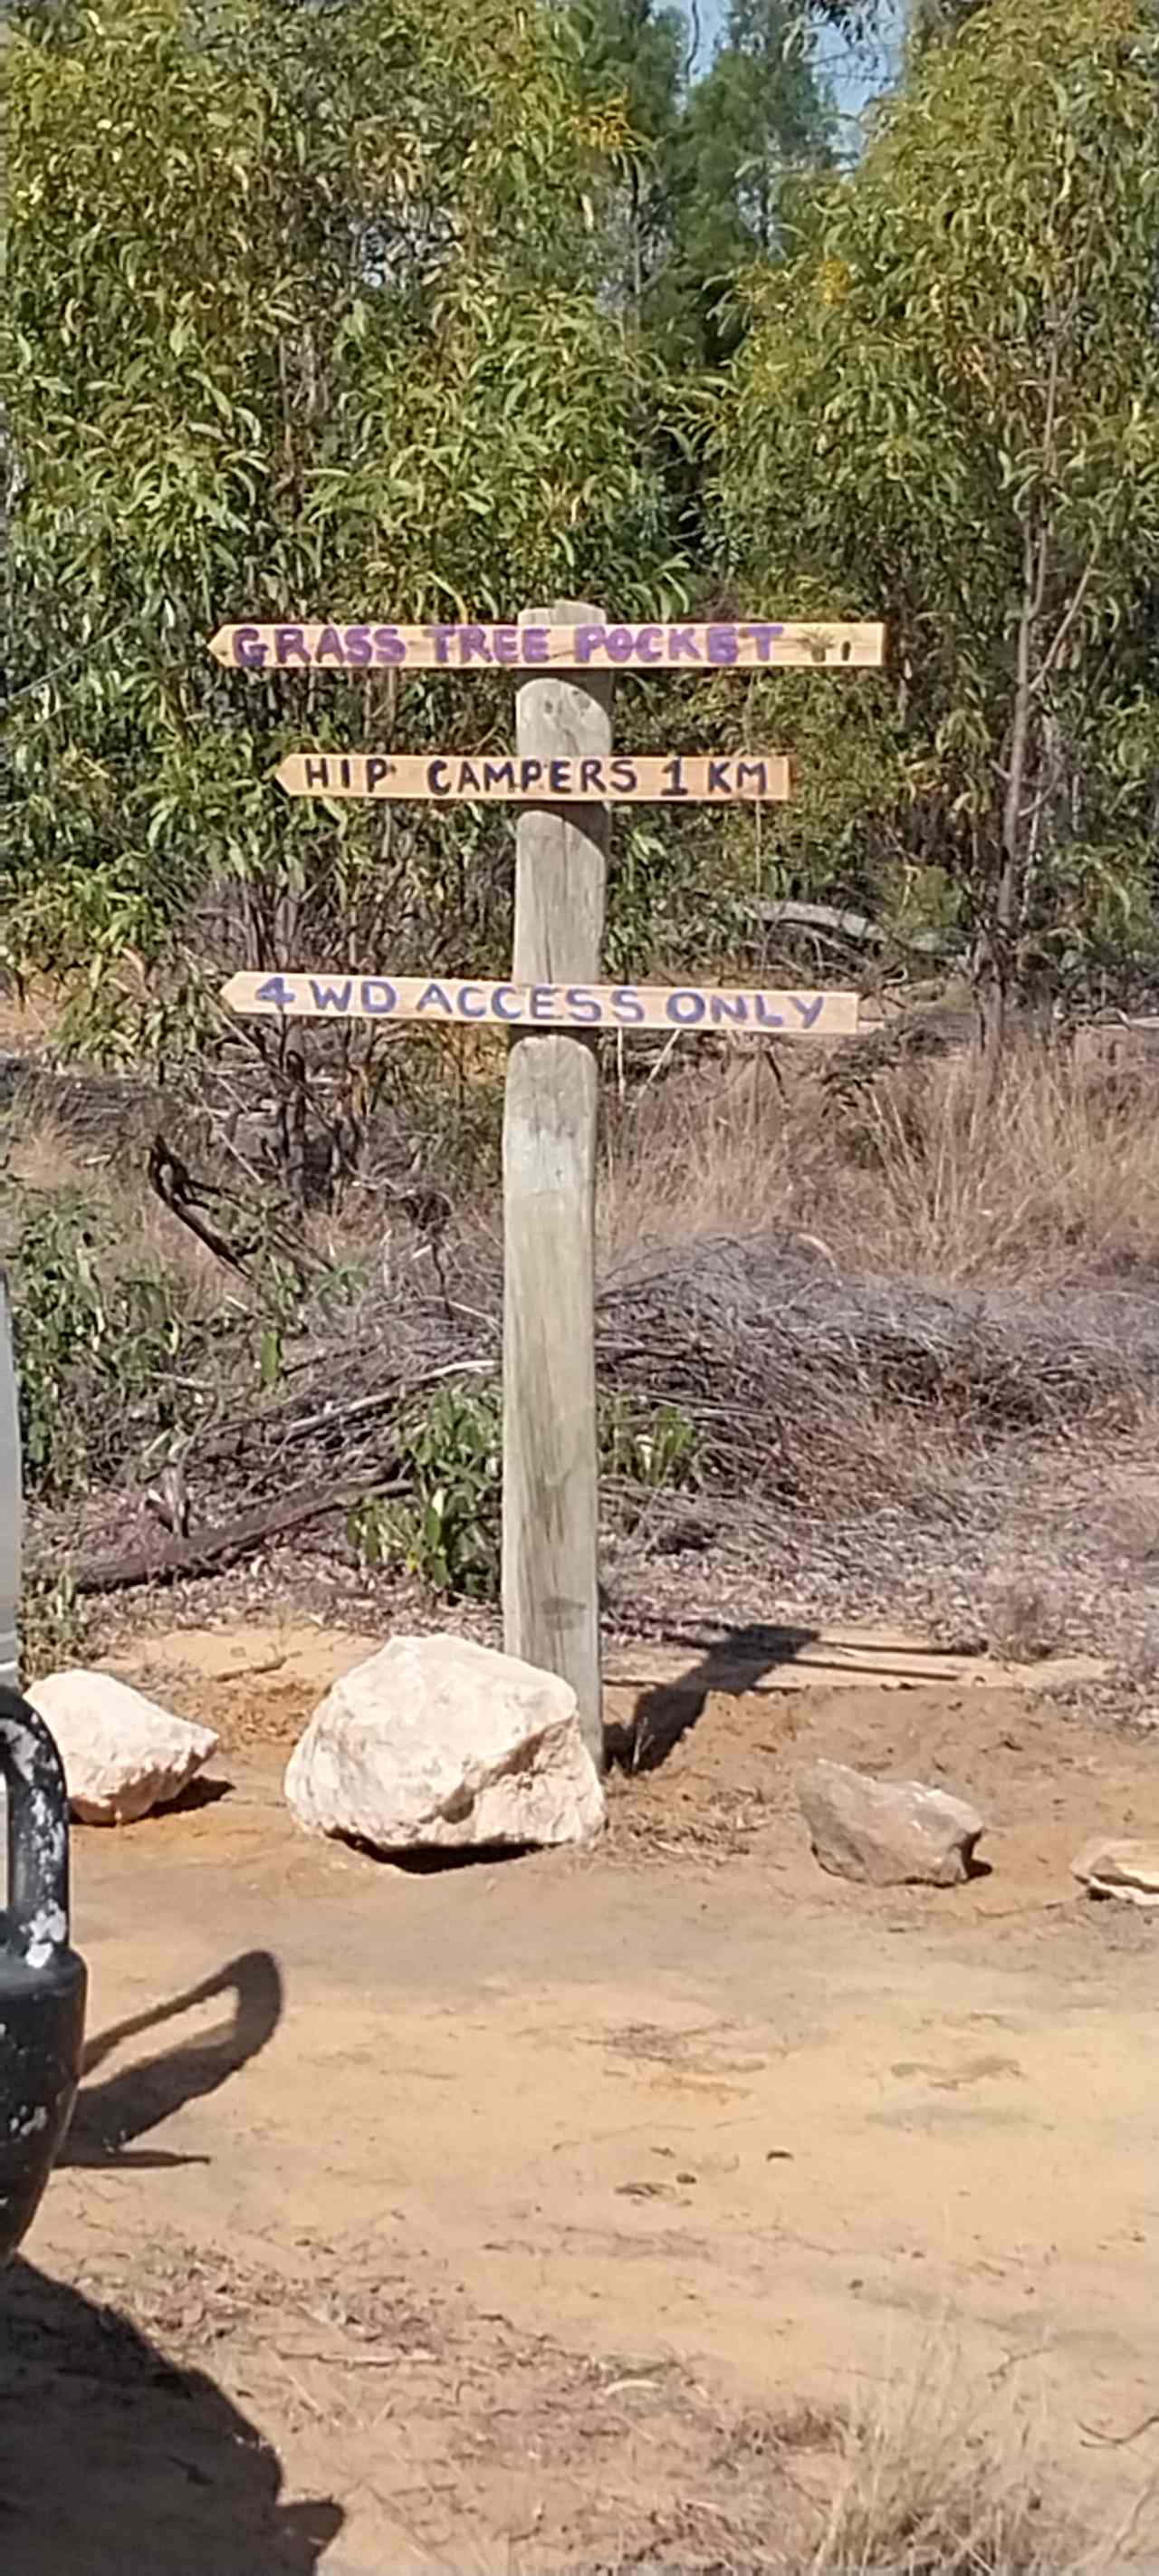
(379, 306)
(947, 411)
(633, 54)
(930, 21)
(757, 122)
(304, 313)
(708, 180)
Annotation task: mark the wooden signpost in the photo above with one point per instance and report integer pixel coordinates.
(564, 775)
(448, 777)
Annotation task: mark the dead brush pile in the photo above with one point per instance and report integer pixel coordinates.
(801, 1386)
(813, 1383)
(851, 1294)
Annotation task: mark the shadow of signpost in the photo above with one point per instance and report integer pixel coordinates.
(666, 1711)
(113, 2459)
(127, 2105)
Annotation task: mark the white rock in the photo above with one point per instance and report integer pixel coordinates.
(438, 1742)
(1128, 1869)
(122, 1754)
(890, 1832)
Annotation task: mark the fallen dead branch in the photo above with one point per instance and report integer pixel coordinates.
(212, 1550)
(333, 1416)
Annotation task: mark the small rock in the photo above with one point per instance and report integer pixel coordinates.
(122, 1754)
(1126, 1869)
(886, 1831)
(436, 1742)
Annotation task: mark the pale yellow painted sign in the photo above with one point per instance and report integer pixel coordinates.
(453, 1000)
(450, 777)
(749, 644)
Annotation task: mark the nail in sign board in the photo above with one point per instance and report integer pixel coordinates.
(750, 646)
(449, 777)
(451, 1000)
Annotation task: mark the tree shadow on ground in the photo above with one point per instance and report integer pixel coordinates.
(113, 2459)
(127, 2105)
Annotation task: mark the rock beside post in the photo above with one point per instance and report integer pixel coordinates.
(122, 1753)
(887, 1833)
(436, 1743)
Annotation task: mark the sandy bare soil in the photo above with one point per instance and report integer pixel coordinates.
(555, 2212)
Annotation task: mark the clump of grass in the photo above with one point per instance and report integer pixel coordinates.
(922, 2491)
(905, 1169)
(1025, 1621)
(52, 1627)
(936, 2480)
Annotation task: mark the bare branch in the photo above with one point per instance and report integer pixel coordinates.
(1073, 611)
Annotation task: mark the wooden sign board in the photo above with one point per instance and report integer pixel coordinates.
(450, 1001)
(448, 778)
(751, 646)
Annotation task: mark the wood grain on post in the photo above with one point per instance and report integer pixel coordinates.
(550, 1449)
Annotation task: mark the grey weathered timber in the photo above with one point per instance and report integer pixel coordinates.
(550, 1457)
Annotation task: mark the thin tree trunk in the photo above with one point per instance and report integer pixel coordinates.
(1006, 916)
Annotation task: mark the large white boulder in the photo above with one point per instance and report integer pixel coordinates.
(438, 1742)
(122, 1754)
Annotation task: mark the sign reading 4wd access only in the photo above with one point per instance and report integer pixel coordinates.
(471, 1002)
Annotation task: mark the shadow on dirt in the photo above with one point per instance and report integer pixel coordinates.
(667, 1711)
(127, 2105)
(112, 2458)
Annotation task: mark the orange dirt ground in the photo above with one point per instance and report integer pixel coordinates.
(549, 2213)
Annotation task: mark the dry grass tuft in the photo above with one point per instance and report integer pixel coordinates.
(939, 2477)
(920, 2488)
(1061, 1179)
(938, 2480)
(1025, 1621)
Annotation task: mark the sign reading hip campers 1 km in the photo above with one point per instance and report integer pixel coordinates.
(449, 998)
(366, 646)
(450, 777)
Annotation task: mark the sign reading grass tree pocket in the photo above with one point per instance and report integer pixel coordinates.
(372, 644)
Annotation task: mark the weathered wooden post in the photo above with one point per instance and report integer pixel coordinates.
(551, 1611)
